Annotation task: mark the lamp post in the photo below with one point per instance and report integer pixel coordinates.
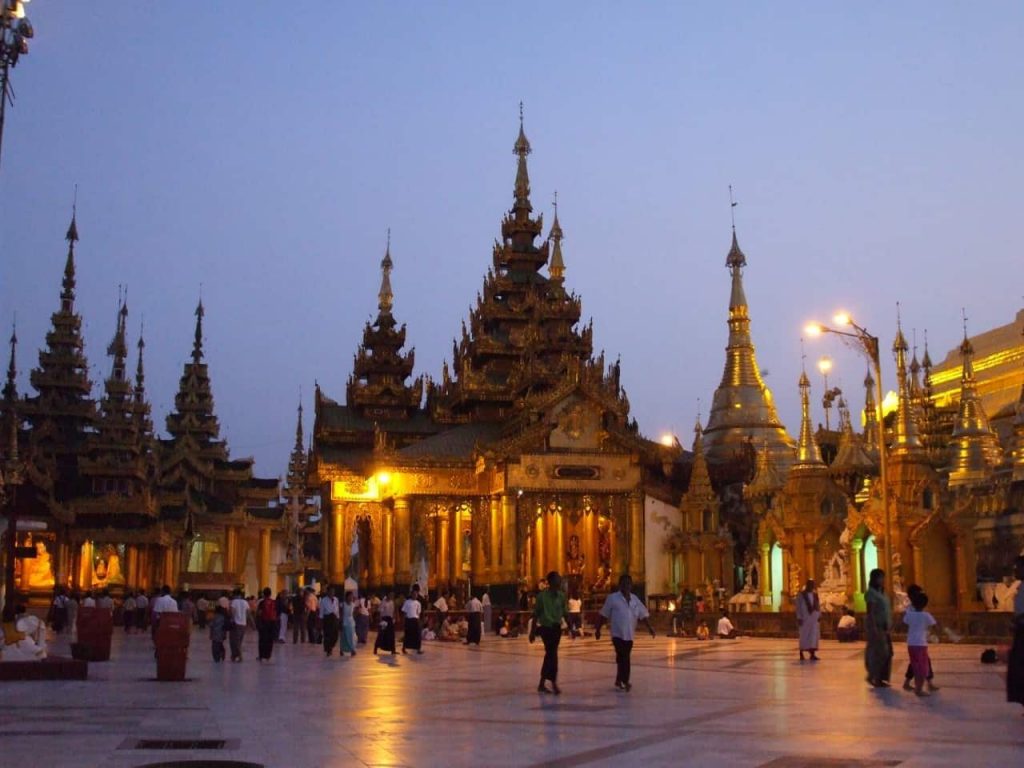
(867, 345)
(15, 32)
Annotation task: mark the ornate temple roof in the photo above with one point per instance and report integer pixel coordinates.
(851, 458)
(742, 408)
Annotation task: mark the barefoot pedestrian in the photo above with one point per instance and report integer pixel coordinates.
(548, 613)
(622, 610)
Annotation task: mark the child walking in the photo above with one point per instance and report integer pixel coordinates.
(218, 633)
(918, 622)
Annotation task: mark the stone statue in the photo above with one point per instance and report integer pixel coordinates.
(794, 579)
(352, 572)
(420, 573)
(604, 556)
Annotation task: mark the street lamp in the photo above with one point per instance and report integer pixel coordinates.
(867, 345)
(15, 32)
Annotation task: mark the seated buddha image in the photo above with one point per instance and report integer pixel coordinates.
(39, 570)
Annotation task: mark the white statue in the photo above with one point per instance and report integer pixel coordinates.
(420, 573)
(24, 639)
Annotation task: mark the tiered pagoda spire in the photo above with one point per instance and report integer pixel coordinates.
(140, 405)
(377, 387)
(10, 390)
(871, 441)
(62, 413)
(115, 459)
(297, 462)
(807, 454)
(699, 496)
(851, 460)
(742, 407)
(522, 338)
(905, 440)
(974, 449)
(193, 420)
(766, 479)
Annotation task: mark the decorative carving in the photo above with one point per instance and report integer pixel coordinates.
(421, 481)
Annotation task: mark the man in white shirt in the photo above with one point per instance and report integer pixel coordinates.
(411, 610)
(89, 601)
(622, 609)
(239, 612)
(330, 616)
(442, 610)
(726, 631)
(474, 618)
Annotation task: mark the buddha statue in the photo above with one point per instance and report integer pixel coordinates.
(39, 570)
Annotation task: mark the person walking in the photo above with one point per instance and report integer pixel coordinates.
(218, 633)
(266, 624)
(411, 610)
(548, 613)
(1015, 665)
(313, 621)
(474, 619)
(128, 613)
(908, 678)
(298, 618)
(488, 618)
(575, 606)
(362, 619)
(919, 622)
(348, 624)
(386, 628)
(284, 608)
(239, 614)
(808, 616)
(622, 610)
(877, 626)
(329, 614)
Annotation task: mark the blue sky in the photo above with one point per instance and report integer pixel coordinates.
(262, 150)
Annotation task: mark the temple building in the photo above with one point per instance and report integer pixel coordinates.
(100, 500)
(520, 459)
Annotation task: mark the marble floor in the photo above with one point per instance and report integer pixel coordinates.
(720, 703)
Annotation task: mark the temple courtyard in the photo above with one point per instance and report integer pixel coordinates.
(748, 702)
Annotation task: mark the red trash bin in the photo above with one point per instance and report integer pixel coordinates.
(172, 637)
(95, 627)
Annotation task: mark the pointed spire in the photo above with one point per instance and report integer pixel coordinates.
(871, 439)
(10, 392)
(905, 437)
(851, 457)
(140, 374)
(974, 449)
(915, 372)
(700, 495)
(197, 344)
(556, 268)
(67, 294)
(926, 368)
(118, 347)
(522, 149)
(766, 479)
(807, 453)
(298, 462)
(386, 296)
(742, 407)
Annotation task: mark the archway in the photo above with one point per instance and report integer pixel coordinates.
(939, 565)
(870, 556)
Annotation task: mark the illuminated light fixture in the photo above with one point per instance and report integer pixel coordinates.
(813, 329)
(383, 478)
(825, 364)
(668, 439)
(842, 318)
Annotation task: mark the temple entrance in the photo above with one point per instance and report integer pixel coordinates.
(939, 565)
(777, 582)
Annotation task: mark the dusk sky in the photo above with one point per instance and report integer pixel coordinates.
(261, 150)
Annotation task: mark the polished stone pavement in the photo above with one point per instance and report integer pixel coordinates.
(744, 703)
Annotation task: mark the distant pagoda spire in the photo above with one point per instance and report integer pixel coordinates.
(916, 392)
(140, 405)
(10, 392)
(62, 412)
(742, 407)
(700, 495)
(193, 417)
(377, 386)
(974, 451)
(522, 187)
(297, 462)
(807, 453)
(906, 440)
(556, 267)
(851, 457)
(766, 479)
(871, 439)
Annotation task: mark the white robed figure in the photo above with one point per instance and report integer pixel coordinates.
(420, 574)
(808, 614)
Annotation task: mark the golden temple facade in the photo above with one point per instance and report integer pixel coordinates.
(519, 460)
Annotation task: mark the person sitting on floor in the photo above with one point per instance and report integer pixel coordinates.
(703, 633)
(726, 631)
(846, 629)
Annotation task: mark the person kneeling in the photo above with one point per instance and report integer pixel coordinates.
(726, 631)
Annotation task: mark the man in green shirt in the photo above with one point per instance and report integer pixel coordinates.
(548, 613)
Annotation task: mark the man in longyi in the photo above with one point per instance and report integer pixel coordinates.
(808, 614)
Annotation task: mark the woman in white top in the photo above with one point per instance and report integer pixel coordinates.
(575, 609)
(411, 610)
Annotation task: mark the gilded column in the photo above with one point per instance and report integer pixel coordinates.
(961, 576)
(85, 566)
(636, 538)
(811, 555)
(854, 587)
(131, 566)
(494, 569)
(589, 547)
(918, 575)
(443, 534)
(477, 559)
(455, 561)
(620, 548)
(540, 554)
(403, 528)
(263, 559)
(387, 558)
(336, 560)
(230, 549)
(765, 576)
(509, 545)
